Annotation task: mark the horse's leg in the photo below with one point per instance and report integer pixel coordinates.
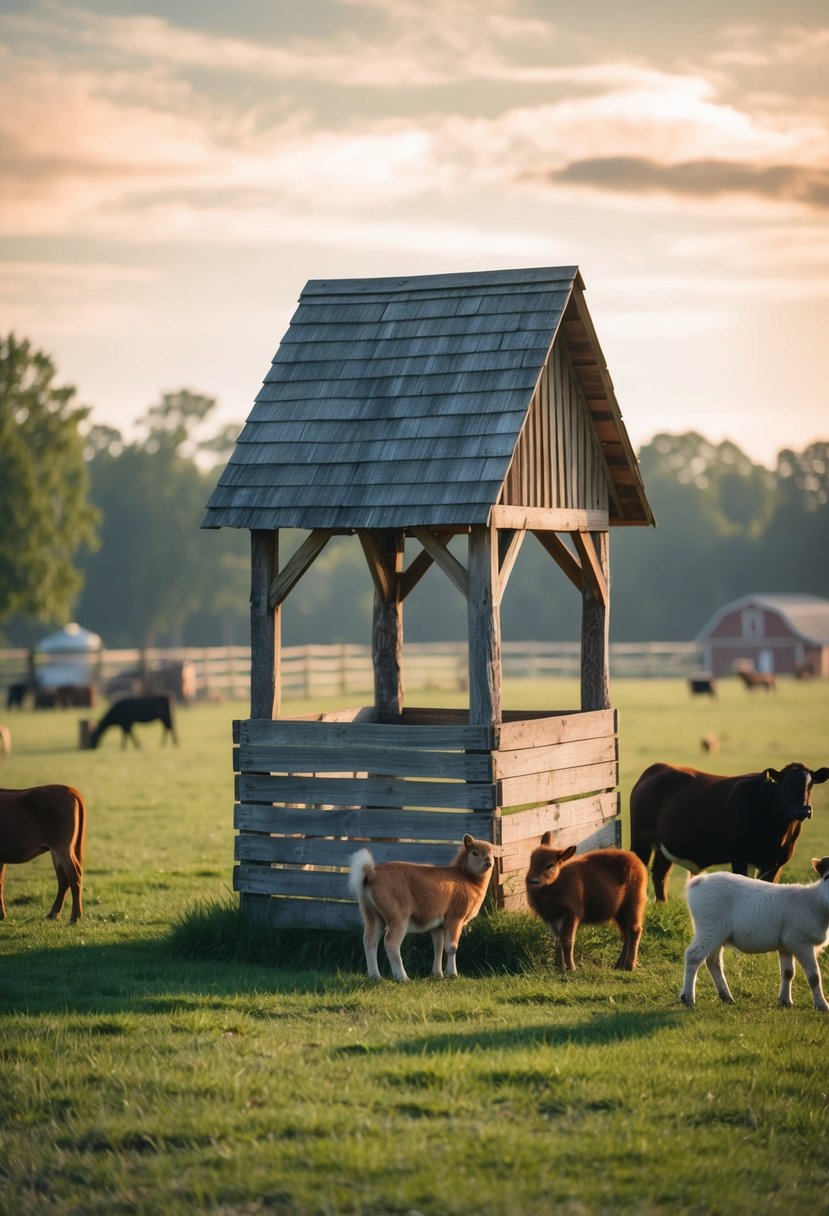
(59, 862)
(70, 878)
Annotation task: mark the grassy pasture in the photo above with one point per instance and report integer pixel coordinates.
(160, 1058)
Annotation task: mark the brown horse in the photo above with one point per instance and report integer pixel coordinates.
(45, 818)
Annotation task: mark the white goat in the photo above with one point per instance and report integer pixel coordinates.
(408, 896)
(756, 917)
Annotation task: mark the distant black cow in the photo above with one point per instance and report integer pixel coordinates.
(130, 710)
(699, 819)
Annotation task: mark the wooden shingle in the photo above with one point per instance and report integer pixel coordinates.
(429, 401)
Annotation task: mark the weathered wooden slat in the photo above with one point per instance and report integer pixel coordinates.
(274, 880)
(289, 913)
(551, 786)
(555, 758)
(381, 761)
(359, 823)
(367, 792)
(481, 279)
(565, 727)
(531, 823)
(316, 851)
(445, 732)
(542, 519)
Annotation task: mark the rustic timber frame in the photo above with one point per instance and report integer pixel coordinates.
(408, 412)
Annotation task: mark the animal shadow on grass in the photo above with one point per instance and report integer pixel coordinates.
(596, 1031)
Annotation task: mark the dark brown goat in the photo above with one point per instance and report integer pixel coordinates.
(597, 887)
(45, 819)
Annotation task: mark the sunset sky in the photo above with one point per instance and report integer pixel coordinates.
(173, 173)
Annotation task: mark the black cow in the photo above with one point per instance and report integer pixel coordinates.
(700, 819)
(127, 712)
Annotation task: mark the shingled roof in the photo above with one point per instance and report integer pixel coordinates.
(401, 402)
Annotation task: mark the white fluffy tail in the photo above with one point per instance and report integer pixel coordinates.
(362, 868)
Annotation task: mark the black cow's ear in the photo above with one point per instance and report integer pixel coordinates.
(771, 774)
(820, 776)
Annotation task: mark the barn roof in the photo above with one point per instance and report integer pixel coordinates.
(806, 615)
(399, 402)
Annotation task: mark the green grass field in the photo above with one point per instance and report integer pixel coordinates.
(162, 1057)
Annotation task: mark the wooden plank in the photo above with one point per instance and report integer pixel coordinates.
(274, 880)
(509, 545)
(551, 786)
(313, 914)
(552, 759)
(306, 554)
(591, 565)
(265, 623)
(447, 561)
(381, 761)
(366, 792)
(530, 824)
(565, 727)
(547, 519)
(414, 572)
(484, 628)
(354, 823)
(450, 731)
(595, 635)
(307, 850)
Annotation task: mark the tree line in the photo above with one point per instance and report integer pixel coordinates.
(106, 531)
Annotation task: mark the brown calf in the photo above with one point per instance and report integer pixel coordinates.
(411, 897)
(45, 818)
(597, 887)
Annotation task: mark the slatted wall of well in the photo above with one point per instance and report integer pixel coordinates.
(558, 773)
(309, 793)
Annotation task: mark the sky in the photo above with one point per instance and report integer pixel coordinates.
(173, 173)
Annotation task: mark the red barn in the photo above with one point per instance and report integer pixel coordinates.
(782, 633)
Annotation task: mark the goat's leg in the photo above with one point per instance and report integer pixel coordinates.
(807, 957)
(631, 934)
(372, 928)
(694, 958)
(437, 945)
(661, 873)
(567, 937)
(2, 881)
(714, 964)
(392, 941)
(452, 931)
(787, 970)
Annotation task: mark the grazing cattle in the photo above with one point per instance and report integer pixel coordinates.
(408, 896)
(700, 819)
(702, 685)
(127, 712)
(757, 679)
(45, 818)
(792, 919)
(16, 694)
(597, 887)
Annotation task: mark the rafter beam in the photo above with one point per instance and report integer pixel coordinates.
(448, 563)
(562, 556)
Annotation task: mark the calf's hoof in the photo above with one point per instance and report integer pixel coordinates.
(686, 1001)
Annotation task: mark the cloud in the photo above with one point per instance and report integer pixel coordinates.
(699, 179)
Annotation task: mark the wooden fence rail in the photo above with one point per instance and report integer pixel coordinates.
(320, 671)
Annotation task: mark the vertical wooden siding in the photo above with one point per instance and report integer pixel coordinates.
(558, 461)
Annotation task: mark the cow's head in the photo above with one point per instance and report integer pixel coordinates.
(794, 784)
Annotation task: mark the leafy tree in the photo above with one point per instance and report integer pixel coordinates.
(44, 487)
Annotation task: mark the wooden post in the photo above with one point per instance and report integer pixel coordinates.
(387, 633)
(265, 640)
(484, 624)
(595, 631)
